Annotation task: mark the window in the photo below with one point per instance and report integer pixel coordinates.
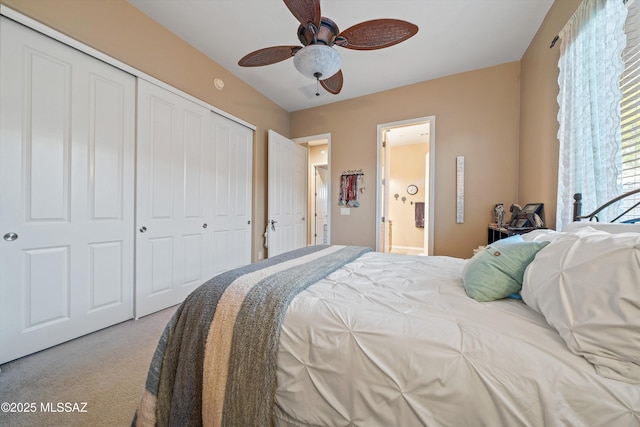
(630, 106)
(591, 65)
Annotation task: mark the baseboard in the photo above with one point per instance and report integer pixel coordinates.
(418, 249)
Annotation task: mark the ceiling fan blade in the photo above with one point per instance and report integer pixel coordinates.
(268, 55)
(376, 34)
(333, 84)
(305, 11)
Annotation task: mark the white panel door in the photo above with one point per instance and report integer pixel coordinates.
(172, 184)
(287, 195)
(66, 192)
(321, 205)
(231, 160)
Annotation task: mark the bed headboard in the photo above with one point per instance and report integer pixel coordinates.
(577, 207)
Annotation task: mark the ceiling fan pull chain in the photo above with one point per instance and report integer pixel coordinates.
(317, 75)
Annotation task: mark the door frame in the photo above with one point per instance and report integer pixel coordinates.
(383, 200)
(308, 140)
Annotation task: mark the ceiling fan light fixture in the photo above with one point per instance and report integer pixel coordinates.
(318, 34)
(317, 59)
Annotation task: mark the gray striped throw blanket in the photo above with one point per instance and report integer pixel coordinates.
(215, 364)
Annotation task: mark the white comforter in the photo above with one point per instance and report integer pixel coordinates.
(393, 340)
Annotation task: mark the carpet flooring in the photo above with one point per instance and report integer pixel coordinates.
(94, 380)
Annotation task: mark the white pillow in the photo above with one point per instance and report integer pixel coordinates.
(542, 235)
(587, 286)
(609, 227)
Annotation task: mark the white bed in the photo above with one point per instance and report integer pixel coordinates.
(394, 340)
(538, 330)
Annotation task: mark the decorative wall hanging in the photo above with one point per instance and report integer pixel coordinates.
(351, 183)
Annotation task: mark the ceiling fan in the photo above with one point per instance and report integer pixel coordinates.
(317, 58)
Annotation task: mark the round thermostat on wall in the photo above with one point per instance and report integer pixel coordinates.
(412, 189)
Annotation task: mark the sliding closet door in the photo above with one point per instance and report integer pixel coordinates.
(66, 192)
(172, 191)
(231, 206)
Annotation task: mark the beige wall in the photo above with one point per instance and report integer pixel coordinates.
(477, 116)
(538, 164)
(120, 30)
(317, 155)
(502, 118)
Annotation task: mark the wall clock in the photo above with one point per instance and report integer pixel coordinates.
(412, 189)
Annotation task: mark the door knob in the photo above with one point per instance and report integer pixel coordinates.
(273, 225)
(204, 225)
(10, 237)
(143, 229)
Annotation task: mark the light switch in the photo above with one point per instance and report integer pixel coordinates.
(345, 211)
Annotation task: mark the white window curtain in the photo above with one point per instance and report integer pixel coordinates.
(630, 109)
(590, 65)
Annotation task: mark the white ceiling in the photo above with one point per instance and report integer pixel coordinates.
(454, 36)
(410, 134)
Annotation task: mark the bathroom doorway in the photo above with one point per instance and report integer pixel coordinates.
(406, 157)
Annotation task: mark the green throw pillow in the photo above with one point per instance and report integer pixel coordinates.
(496, 271)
